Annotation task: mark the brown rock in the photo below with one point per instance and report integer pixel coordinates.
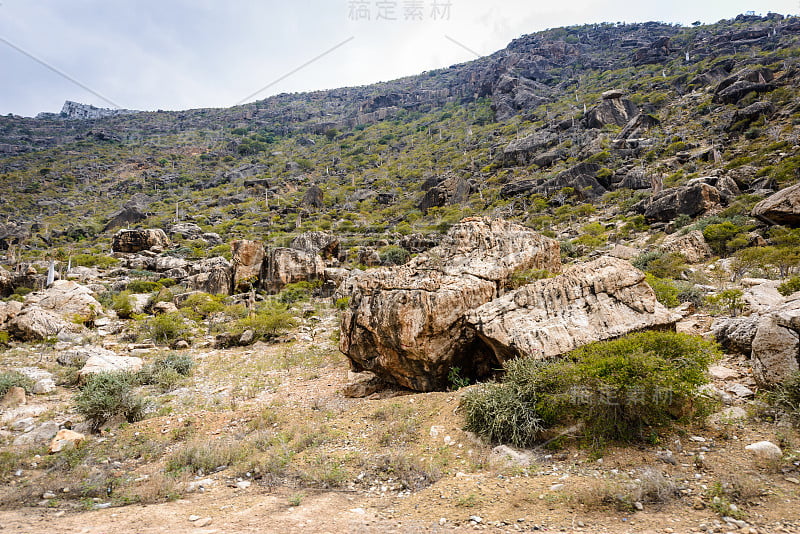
(598, 300)
(139, 239)
(248, 261)
(9, 310)
(362, 385)
(288, 265)
(406, 324)
(65, 438)
(781, 208)
(15, 396)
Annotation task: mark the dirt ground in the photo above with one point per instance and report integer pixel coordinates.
(572, 489)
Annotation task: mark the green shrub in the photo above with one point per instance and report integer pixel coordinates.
(623, 389)
(669, 265)
(167, 371)
(726, 237)
(785, 398)
(296, 292)
(166, 328)
(94, 260)
(107, 395)
(123, 304)
(9, 379)
(729, 301)
(201, 305)
(665, 290)
(272, 320)
(394, 255)
(789, 286)
(143, 286)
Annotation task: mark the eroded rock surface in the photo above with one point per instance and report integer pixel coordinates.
(594, 301)
(406, 324)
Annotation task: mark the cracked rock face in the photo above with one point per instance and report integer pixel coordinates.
(776, 345)
(407, 324)
(594, 301)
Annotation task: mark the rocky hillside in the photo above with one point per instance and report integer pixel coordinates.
(337, 311)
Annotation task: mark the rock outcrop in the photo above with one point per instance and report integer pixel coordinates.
(776, 345)
(248, 260)
(691, 245)
(287, 266)
(47, 313)
(691, 200)
(137, 240)
(324, 244)
(406, 324)
(781, 208)
(594, 301)
(736, 333)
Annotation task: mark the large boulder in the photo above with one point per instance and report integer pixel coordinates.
(594, 301)
(248, 261)
(110, 363)
(137, 240)
(688, 200)
(288, 266)
(613, 110)
(776, 345)
(736, 333)
(35, 324)
(211, 275)
(781, 208)
(324, 244)
(66, 298)
(9, 310)
(407, 324)
(691, 245)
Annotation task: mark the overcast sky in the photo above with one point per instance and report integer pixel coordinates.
(181, 54)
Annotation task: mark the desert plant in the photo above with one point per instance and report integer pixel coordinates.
(107, 395)
(123, 304)
(270, 321)
(789, 286)
(622, 389)
(166, 328)
(9, 379)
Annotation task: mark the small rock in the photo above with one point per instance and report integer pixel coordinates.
(243, 484)
(792, 480)
(182, 344)
(22, 424)
(65, 438)
(247, 337)
(697, 439)
(766, 450)
(476, 519)
(740, 390)
(44, 386)
(556, 487)
(48, 495)
(721, 372)
(199, 485)
(15, 396)
(194, 518)
(204, 522)
(639, 506)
